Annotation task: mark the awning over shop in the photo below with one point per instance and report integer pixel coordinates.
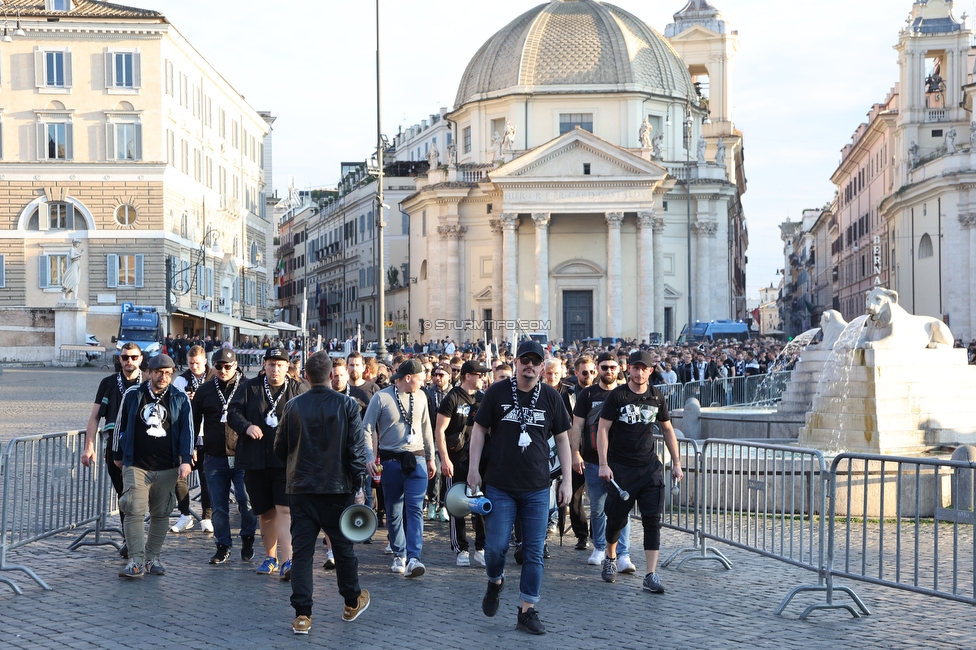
(285, 327)
(243, 326)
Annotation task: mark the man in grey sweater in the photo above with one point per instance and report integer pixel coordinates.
(398, 423)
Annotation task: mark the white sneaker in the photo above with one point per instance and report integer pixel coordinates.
(431, 512)
(397, 566)
(596, 558)
(478, 557)
(463, 559)
(206, 526)
(388, 550)
(185, 522)
(444, 515)
(624, 565)
(415, 568)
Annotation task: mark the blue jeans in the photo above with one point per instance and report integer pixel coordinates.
(220, 476)
(596, 492)
(404, 499)
(532, 510)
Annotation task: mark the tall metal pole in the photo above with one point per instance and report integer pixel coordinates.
(688, 124)
(381, 279)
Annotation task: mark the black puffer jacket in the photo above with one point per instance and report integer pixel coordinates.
(321, 441)
(250, 406)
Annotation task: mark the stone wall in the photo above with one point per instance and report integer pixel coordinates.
(26, 334)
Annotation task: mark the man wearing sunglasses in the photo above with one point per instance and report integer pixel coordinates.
(211, 402)
(585, 377)
(108, 401)
(512, 427)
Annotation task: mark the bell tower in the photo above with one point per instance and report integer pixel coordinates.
(704, 42)
(933, 50)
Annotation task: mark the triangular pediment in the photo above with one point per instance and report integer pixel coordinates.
(695, 31)
(578, 156)
(484, 295)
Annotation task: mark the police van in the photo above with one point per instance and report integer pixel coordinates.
(715, 330)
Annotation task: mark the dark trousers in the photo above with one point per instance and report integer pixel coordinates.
(459, 537)
(115, 473)
(646, 486)
(577, 516)
(311, 513)
(183, 493)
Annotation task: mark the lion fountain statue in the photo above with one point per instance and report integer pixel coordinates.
(890, 327)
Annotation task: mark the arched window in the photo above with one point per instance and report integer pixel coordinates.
(125, 215)
(423, 270)
(925, 247)
(56, 215)
(254, 253)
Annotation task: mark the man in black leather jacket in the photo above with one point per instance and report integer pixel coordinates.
(321, 441)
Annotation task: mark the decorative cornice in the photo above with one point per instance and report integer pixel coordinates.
(497, 227)
(541, 219)
(510, 220)
(645, 218)
(614, 219)
(658, 225)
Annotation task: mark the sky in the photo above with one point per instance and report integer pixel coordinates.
(805, 76)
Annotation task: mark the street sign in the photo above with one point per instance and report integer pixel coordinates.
(388, 323)
(205, 305)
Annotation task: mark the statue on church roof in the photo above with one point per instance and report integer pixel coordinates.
(496, 145)
(433, 156)
(720, 153)
(950, 141)
(509, 142)
(972, 135)
(645, 133)
(656, 146)
(913, 155)
(702, 146)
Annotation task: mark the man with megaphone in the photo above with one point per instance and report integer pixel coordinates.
(322, 443)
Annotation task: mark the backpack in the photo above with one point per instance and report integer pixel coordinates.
(590, 428)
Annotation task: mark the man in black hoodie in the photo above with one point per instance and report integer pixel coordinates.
(211, 402)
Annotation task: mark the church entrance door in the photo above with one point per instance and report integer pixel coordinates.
(577, 315)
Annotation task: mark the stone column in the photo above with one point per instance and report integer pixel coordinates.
(700, 267)
(646, 289)
(614, 274)
(497, 266)
(435, 277)
(451, 278)
(510, 297)
(541, 220)
(659, 274)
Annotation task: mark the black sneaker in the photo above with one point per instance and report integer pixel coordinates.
(609, 572)
(247, 547)
(489, 604)
(652, 583)
(581, 544)
(545, 551)
(528, 621)
(124, 552)
(221, 556)
(519, 554)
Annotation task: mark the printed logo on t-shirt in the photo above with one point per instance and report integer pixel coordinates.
(161, 412)
(533, 418)
(638, 414)
(463, 410)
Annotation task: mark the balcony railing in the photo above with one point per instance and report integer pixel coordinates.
(936, 115)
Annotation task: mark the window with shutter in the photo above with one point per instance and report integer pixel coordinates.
(112, 270)
(139, 271)
(200, 280)
(3, 271)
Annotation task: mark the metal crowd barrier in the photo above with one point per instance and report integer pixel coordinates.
(46, 491)
(923, 541)
(79, 355)
(729, 391)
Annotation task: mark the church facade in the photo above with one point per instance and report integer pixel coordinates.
(591, 185)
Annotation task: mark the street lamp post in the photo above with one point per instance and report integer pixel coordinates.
(181, 286)
(381, 296)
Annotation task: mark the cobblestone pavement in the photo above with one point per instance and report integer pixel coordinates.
(197, 605)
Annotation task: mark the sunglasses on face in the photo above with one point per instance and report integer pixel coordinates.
(223, 366)
(530, 361)
(587, 372)
(126, 357)
(605, 368)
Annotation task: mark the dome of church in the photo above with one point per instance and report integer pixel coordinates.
(592, 46)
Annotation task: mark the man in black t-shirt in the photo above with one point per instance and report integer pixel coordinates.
(153, 446)
(452, 435)
(628, 455)
(108, 401)
(512, 428)
(586, 462)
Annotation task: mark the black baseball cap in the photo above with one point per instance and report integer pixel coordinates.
(530, 347)
(474, 367)
(161, 361)
(276, 353)
(606, 356)
(642, 357)
(223, 355)
(408, 367)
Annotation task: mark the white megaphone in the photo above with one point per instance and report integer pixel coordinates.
(357, 523)
(461, 502)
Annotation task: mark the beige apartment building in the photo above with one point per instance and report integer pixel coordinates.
(117, 133)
